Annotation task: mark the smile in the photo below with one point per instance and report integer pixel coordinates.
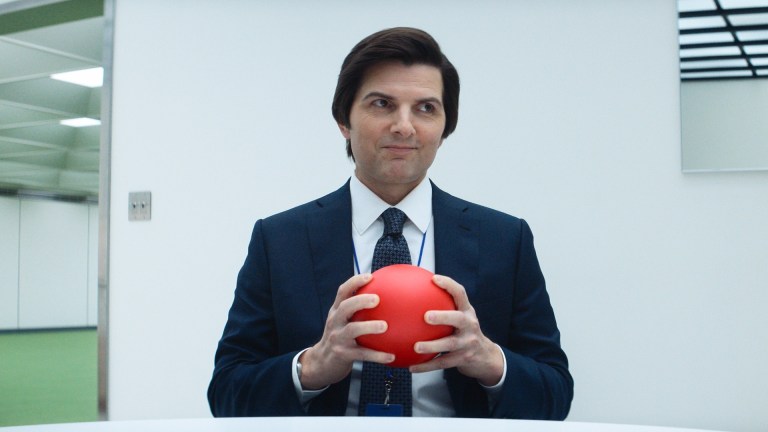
(399, 149)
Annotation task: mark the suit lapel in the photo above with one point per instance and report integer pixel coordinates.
(330, 242)
(456, 240)
(457, 255)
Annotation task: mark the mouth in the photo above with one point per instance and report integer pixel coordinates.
(399, 149)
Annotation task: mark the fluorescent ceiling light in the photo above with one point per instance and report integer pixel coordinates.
(687, 66)
(705, 38)
(695, 5)
(85, 77)
(80, 122)
(728, 74)
(749, 19)
(705, 52)
(701, 22)
(759, 61)
(756, 49)
(734, 4)
(752, 35)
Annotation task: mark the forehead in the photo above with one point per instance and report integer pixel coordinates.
(395, 77)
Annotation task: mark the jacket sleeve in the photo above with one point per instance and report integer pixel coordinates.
(538, 384)
(252, 377)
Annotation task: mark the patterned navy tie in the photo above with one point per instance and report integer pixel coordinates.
(390, 249)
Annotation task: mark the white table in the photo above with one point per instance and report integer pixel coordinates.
(338, 424)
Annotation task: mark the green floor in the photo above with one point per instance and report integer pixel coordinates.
(48, 377)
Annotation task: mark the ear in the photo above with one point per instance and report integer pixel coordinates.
(344, 130)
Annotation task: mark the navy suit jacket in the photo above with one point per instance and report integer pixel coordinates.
(297, 260)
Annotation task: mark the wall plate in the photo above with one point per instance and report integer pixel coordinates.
(139, 206)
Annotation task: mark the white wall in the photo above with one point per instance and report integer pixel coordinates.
(9, 263)
(92, 297)
(47, 279)
(53, 276)
(724, 124)
(569, 118)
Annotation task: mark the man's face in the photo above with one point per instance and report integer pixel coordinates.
(396, 126)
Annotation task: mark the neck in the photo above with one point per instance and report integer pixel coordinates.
(391, 194)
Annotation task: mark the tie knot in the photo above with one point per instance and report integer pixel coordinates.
(393, 221)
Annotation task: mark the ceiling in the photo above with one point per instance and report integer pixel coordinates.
(723, 39)
(37, 154)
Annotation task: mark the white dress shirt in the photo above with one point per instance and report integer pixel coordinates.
(430, 391)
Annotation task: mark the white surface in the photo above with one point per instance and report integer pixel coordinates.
(724, 125)
(93, 263)
(53, 266)
(9, 263)
(47, 263)
(569, 118)
(334, 424)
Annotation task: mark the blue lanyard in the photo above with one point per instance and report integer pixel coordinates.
(418, 264)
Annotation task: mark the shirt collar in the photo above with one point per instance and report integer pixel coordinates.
(367, 206)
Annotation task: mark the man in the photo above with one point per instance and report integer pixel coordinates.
(289, 345)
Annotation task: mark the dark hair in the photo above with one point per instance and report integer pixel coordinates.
(405, 44)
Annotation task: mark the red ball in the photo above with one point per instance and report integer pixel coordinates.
(406, 293)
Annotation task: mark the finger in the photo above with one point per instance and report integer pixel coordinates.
(348, 288)
(444, 361)
(442, 345)
(360, 328)
(441, 317)
(359, 353)
(455, 289)
(369, 355)
(347, 308)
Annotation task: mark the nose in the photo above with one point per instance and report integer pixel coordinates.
(402, 124)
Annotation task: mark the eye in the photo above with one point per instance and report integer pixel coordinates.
(427, 108)
(380, 103)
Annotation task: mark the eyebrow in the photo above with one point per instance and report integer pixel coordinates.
(376, 94)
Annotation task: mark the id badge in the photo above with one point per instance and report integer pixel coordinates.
(384, 410)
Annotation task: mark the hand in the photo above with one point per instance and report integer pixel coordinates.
(330, 360)
(467, 349)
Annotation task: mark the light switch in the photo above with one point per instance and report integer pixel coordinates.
(139, 206)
